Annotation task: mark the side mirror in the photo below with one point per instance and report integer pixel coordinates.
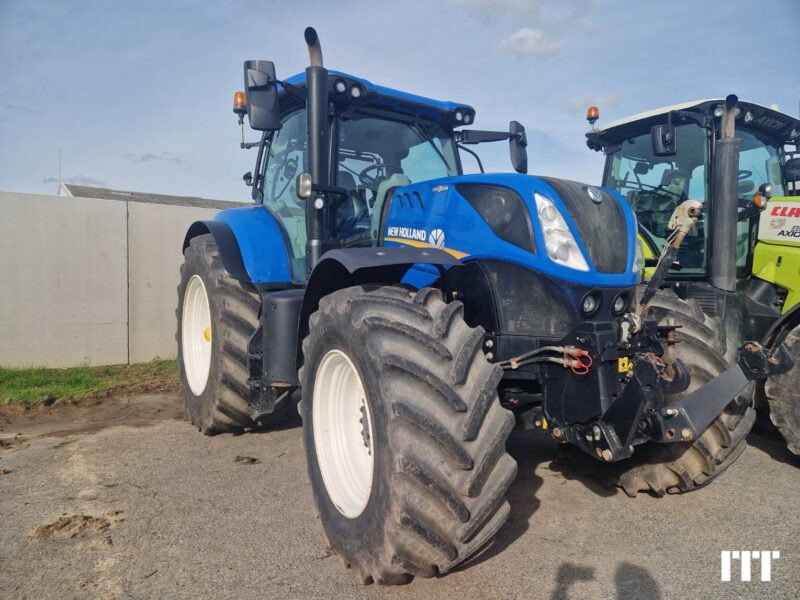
(261, 89)
(518, 143)
(248, 179)
(665, 143)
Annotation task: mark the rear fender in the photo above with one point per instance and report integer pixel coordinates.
(251, 244)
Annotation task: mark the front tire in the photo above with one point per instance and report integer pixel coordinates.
(783, 399)
(404, 433)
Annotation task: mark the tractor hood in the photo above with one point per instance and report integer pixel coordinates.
(565, 229)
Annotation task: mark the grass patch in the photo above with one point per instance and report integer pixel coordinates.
(29, 387)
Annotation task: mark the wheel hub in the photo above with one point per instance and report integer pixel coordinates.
(343, 434)
(196, 335)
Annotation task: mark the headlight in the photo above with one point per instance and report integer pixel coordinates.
(559, 241)
(638, 262)
(590, 304)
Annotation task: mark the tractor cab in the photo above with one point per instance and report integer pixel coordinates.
(655, 177)
(379, 139)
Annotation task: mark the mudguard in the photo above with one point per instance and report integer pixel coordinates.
(251, 244)
(782, 327)
(339, 269)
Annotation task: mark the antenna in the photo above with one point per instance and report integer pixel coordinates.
(59, 172)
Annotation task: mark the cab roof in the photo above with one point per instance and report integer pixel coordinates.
(384, 98)
(767, 120)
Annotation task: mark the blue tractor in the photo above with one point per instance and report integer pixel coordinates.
(423, 313)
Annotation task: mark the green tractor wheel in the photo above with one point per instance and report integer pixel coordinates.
(782, 397)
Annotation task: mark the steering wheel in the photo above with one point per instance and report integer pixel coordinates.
(656, 188)
(744, 174)
(369, 180)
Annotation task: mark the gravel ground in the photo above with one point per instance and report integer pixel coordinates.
(160, 511)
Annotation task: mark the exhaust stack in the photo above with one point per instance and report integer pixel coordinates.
(318, 142)
(725, 188)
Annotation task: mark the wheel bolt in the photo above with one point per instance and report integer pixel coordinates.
(686, 433)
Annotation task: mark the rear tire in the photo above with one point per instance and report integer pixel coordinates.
(215, 394)
(681, 467)
(430, 420)
(782, 396)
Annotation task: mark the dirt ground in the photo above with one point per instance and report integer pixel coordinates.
(92, 508)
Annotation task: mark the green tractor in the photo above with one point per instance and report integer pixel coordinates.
(736, 275)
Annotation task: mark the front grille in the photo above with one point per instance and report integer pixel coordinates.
(602, 226)
(529, 303)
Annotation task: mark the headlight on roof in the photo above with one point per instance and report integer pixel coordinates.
(558, 239)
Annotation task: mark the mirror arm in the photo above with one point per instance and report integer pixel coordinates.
(474, 154)
(475, 136)
(297, 92)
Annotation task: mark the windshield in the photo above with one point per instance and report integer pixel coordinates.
(759, 163)
(378, 154)
(655, 185)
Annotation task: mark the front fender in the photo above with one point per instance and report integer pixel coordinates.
(339, 269)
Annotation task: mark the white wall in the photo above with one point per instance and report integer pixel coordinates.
(88, 281)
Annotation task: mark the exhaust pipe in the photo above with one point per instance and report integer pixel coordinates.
(318, 143)
(314, 49)
(725, 208)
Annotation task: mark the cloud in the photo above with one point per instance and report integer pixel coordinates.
(581, 102)
(21, 109)
(77, 180)
(151, 157)
(530, 42)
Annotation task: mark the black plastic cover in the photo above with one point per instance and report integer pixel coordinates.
(503, 210)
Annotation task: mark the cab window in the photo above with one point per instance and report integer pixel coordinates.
(286, 159)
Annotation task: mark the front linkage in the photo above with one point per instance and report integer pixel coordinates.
(632, 378)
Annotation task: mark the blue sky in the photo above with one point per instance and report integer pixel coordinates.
(138, 94)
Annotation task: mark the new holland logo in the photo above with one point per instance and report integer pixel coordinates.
(436, 238)
(439, 188)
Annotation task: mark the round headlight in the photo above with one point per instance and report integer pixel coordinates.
(620, 303)
(467, 118)
(355, 91)
(340, 86)
(459, 115)
(589, 304)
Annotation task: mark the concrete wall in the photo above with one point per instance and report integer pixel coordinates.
(88, 281)
(155, 237)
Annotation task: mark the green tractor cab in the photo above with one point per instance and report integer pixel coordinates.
(739, 267)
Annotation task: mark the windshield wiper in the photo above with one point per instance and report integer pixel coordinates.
(416, 128)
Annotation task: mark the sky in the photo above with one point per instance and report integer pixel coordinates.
(138, 95)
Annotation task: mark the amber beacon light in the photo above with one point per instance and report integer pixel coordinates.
(239, 103)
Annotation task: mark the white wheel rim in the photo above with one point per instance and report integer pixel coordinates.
(196, 335)
(343, 434)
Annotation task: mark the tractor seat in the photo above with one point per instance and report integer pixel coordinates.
(347, 207)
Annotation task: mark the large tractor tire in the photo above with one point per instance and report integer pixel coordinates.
(783, 397)
(217, 315)
(404, 434)
(680, 467)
